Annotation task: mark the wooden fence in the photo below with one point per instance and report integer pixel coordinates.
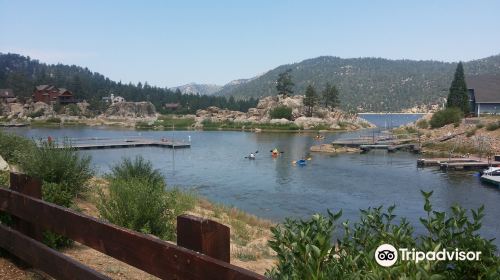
(202, 252)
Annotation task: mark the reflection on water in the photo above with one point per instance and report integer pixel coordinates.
(272, 187)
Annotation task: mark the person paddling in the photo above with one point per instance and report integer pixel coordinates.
(251, 156)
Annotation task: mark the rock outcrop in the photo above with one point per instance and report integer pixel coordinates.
(29, 110)
(4, 166)
(131, 110)
(336, 119)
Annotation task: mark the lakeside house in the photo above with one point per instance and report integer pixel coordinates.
(7, 95)
(113, 99)
(172, 106)
(51, 94)
(484, 94)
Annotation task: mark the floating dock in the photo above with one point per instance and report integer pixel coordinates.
(108, 143)
(458, 163)
(13, 124)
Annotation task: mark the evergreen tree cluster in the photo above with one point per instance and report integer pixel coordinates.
(22, 74)
(329, 96)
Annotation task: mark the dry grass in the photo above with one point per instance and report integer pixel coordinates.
(249, 234)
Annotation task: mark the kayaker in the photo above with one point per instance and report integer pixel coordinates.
(251, 156)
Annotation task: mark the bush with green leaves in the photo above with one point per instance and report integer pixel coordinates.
(422, 124)
(73, 110)
(493, 126)
(37, 114)
(281, 112)
(12, 147)
(305, 248)
(446, 116)
(64, 173)
(137, 199)
(63, 170)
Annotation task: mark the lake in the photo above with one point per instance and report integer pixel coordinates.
(215, 166)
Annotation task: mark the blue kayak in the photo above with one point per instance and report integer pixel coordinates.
(301, 162)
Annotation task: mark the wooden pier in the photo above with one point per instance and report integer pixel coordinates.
(110, 143)
(458, 163)
(388, 143)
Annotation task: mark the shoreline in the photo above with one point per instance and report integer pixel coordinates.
(392, 113)
(139, 128)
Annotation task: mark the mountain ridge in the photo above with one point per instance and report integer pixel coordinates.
(369, 83)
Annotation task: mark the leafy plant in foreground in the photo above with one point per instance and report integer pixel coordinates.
(64, 173)
(305, 248)
(137, 199)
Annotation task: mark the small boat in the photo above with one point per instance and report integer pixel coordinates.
(319, 137)
(275, 153)
(301, 162)
(491, 176)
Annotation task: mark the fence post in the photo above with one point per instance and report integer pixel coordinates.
(29, 186)
(204, 236)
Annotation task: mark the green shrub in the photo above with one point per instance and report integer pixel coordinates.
(36, 114)
(446, 116)
(479, 125)
(64, 174)
(471, 132)
(137, 199)
(493, 126)
(138, 168)
(305, 249)
(281, 112)
(177, 123)
(63, 170)
(138, 204)
(422, 124)
(54, 120)
(73, 110)
(13, 146)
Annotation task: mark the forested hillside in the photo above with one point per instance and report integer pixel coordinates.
(369, 84)
(22, 74)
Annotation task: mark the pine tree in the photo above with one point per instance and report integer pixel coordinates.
(330, 96)
(284, 84)
(458, 96)
(310, 100)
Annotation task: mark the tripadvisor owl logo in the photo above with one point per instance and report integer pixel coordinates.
(386, 255)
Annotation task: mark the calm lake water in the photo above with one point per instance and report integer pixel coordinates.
(274, 188)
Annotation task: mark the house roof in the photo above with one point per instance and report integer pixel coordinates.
(45, 87)
(63, 90)
(486, 88)
(6, 93)
(172, 105)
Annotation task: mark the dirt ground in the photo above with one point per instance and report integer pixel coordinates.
(472, 137)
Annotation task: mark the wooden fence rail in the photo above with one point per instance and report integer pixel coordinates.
(147, 253)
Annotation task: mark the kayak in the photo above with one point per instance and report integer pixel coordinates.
(301, 162)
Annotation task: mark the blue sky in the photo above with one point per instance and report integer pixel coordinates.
(169, 43)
